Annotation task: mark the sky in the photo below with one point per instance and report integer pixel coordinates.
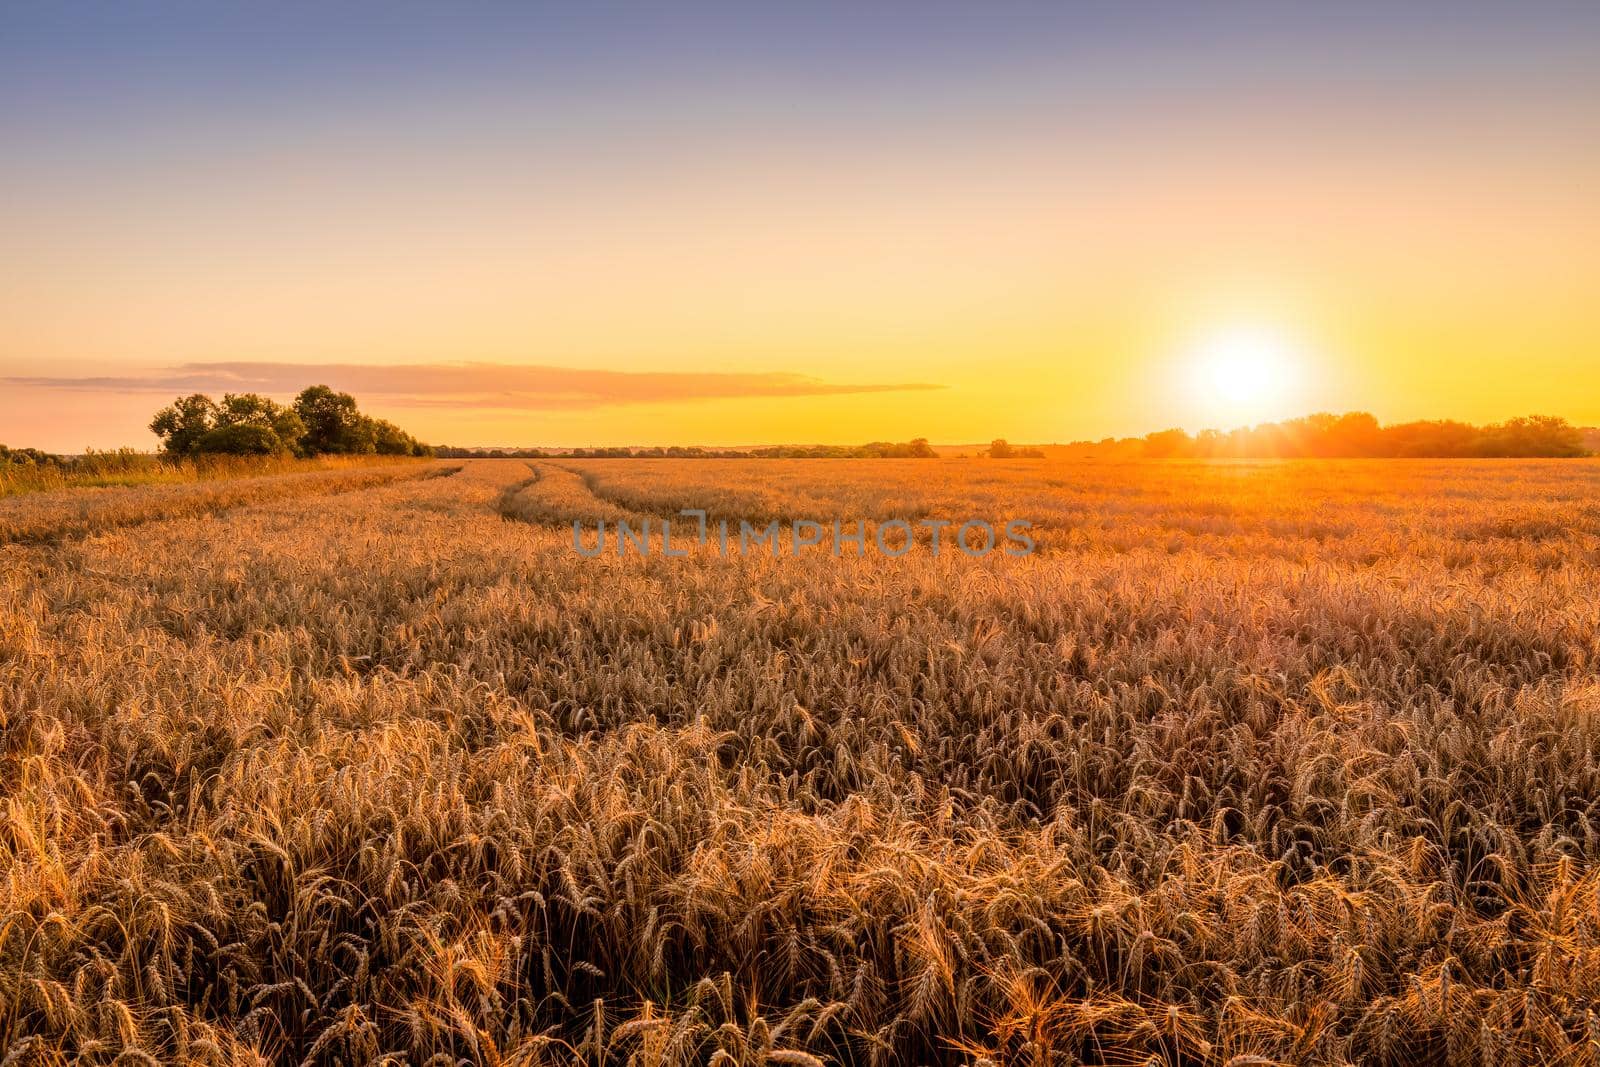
(716, 224)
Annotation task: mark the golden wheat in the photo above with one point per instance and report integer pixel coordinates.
(1249, 763)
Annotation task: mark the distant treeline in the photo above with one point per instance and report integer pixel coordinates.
(26, 457)
(1352, 435)
(31, 468)
(917, 448)
(319, 422)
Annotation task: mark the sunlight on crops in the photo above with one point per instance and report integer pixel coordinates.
(1298, 762)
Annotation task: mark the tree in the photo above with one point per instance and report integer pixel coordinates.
(1440, 437)
(240, 439)
(391, 440)
(31, 457)
(1355, 433)
(254, 410)
(320, 421)
(182, 424)
(333, 423)
(1165, 444)
(1536, 435)
(999, 448)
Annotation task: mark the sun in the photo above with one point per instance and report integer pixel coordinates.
(1244, 374)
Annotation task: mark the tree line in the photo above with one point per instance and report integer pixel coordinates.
(916, 448)
(1354, 435)
(25, 457)
(320, 421)
(1000, 448)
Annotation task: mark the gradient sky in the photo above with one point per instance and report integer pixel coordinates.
(598, 224)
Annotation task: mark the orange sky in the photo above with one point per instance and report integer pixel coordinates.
(1028, 250)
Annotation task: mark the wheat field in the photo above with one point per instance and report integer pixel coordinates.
(1248, 763)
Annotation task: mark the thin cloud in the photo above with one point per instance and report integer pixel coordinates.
(517, 387)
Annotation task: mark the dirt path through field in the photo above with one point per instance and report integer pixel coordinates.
(557, 496)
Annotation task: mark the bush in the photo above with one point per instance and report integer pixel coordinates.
(181, 424)
(241, 439)
(333, 423)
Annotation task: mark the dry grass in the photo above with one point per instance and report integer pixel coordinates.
(127, 467)
(50, 516)
(1249, 763)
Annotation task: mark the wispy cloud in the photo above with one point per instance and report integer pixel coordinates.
(507, 386)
